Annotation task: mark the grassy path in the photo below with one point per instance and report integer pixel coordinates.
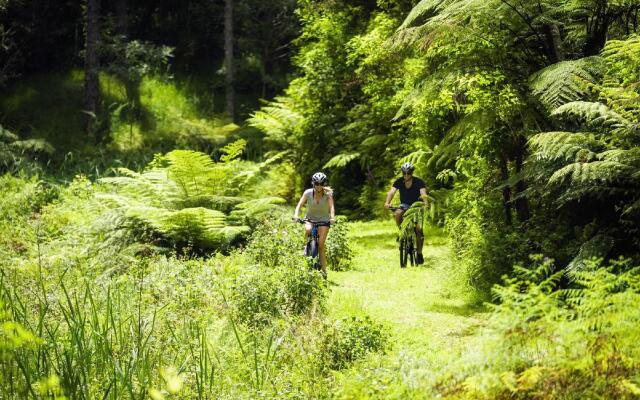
(424, 307)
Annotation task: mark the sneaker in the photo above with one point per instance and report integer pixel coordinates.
(419, 259)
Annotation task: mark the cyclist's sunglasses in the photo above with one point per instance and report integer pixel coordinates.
(318, 184)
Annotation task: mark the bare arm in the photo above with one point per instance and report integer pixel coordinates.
(332, 210)
(300, 204)
(423, 195)
(390, 194)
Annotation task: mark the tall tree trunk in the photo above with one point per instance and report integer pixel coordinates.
(597, 38)
(91, 66)
(506, 191)
(554, 43)
(228, 58)
(122, 18)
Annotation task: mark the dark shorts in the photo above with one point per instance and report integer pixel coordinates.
(404, 206)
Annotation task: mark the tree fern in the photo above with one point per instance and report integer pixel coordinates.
(566, 81)
(278, 120)
(341, 160)
(596, 247)
(592, 115)
(183, 198)
(14, 152)
(565, 146)
(421, 11)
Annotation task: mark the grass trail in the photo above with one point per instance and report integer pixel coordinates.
(426, 307)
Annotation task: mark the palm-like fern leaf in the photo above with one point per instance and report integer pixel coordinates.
(341, 160)
(278, 120)
(566, 81)
(424, 9)
(593, 115)
(567, 146)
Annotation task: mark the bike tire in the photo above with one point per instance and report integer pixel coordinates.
(312, 251)
(411, 251)
(403, 253)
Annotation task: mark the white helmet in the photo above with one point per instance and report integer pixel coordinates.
(407, 168)
(319, 177)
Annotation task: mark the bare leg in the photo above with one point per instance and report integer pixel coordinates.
(398, 216)
(420, 237)
(307, 231)
(323, 231)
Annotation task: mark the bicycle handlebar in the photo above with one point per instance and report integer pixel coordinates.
(317, 223)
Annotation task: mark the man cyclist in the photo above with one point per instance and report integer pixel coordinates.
(411, 189)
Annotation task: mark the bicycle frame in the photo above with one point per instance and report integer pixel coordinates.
(311, 249)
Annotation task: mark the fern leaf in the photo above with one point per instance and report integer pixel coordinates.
(596, 247)
(567, 146)
(566, 81)
(421, 11)
(7, 136)
(278, 120)
(592, 172)
(341, 160)
(595, 115)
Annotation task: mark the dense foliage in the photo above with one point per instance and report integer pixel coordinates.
(479, 96)
(153, 255)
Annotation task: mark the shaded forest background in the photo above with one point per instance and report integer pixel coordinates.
(169, 130)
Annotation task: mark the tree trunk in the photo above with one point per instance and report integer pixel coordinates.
(506, 191)
(597, 38)
(122, 18)
(554, 43)
(228, 58)
(91, 66)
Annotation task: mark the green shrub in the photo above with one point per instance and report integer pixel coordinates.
(276, 241)
(550, 342)
(339, 252)
(261, 294)
(349, 340)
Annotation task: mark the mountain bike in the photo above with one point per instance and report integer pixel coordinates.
(311, 249)
(408, 245)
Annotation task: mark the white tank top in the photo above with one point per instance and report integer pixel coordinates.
(317, 211)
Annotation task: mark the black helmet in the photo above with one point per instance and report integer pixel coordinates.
(407, 168)
(319, 177)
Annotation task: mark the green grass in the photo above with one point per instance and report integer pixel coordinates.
(431, 314)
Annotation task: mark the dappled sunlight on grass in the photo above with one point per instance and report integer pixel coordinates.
(430, 314)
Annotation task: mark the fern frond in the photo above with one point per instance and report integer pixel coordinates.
(233, 150)
(566, 81)
(341, 160)
(33, 146)
(278, 120)
(566, 146)
(595, 115)
(250, 171)
(249, 211)
(421, 11)
(591, 172)
(7, 136)
(596, 247)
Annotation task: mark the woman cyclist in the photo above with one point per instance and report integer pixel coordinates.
(319, 205)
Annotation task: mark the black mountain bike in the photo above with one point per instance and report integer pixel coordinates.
(312, 247)
(408, 246)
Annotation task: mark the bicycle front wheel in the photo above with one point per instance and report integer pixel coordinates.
(403, 253)
(411, 251)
